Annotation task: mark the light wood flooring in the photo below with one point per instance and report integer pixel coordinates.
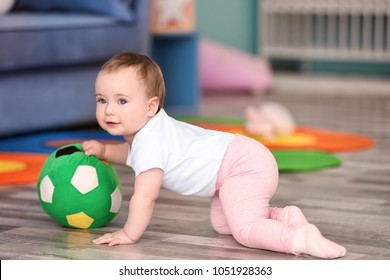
(350, 204)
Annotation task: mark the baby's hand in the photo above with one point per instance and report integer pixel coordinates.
(116, 238)
(92, 147)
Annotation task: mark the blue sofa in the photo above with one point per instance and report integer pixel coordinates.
(49, 61)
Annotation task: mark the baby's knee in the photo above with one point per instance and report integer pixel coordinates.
(243, 236)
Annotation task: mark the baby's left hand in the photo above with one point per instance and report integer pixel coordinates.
(116, 238)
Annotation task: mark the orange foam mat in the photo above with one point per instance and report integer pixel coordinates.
(20, 168)
(293, 141)
(303, 138)
(335, 141)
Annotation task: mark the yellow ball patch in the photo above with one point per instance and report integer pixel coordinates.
(79, 220)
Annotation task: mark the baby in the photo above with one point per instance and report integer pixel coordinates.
(238, 173)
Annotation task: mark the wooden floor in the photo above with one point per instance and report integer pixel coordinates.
(350, 204)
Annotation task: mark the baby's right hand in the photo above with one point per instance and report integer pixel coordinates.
(92, 147)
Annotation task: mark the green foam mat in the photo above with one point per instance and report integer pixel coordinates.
(303, 161)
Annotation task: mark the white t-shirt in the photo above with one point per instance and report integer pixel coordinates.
(190, 156)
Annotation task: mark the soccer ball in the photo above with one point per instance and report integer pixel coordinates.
(79, 191)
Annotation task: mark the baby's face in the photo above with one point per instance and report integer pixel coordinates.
(122, 106)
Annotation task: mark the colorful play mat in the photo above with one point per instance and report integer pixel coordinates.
(22, 157)
(303, 138)
(308, 149)
(20, 168)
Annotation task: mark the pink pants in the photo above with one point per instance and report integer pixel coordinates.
(246, 181)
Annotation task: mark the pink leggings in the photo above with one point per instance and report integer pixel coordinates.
(246, 181)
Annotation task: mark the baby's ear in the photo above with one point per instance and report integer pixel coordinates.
(153, 106)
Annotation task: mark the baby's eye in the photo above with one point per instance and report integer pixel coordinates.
(101, 101)
(122, 101)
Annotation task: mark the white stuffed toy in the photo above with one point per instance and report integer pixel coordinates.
(271, 119)
(5, 6)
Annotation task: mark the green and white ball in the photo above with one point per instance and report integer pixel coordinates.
(79, 191)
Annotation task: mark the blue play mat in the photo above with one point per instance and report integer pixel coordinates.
(39, 142)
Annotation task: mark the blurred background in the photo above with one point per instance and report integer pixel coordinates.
(328, 62)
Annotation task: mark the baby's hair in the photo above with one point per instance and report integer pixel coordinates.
(146, 69)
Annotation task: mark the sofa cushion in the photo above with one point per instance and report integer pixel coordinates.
(117, 9)
(31, 40)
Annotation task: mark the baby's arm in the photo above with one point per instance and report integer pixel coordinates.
(115, 153)
(146, 189)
